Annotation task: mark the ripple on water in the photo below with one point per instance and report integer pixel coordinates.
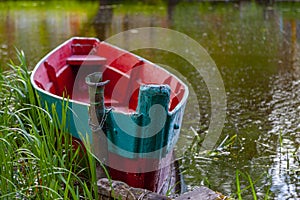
(285, 120)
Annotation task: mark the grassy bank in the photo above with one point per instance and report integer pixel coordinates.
(37, 158)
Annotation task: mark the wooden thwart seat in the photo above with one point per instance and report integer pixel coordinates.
(78, 60)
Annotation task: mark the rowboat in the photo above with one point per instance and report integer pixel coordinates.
(140, 112)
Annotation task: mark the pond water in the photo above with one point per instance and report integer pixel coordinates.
(256, 49)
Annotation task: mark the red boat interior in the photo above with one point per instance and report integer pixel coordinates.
(63, 73)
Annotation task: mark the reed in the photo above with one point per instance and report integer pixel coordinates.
(251, 186)
(37, 158)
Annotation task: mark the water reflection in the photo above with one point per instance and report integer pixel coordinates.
(284, 117)
(103, 19)
(255, 46)
(37, 27)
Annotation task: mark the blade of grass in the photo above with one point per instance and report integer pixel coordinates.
(238, 184)
(252, 187)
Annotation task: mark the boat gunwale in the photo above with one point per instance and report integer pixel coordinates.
(179, 106)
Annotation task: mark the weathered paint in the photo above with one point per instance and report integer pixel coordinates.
(145, 134)
(125, 143)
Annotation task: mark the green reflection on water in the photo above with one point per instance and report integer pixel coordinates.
(37, 27)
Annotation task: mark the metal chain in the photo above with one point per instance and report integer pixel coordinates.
(99, 127)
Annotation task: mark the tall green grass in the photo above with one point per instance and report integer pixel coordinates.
(37, 158)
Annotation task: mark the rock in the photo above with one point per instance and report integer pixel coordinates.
(119, 190)
(202, 193)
